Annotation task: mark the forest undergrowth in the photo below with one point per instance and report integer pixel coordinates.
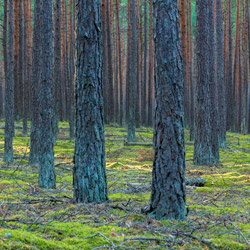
(33, 218)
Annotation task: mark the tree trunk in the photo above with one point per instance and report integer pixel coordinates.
(230, 92)
(133, 70)
(89, 174)
(57, 68)
(9, 90)
(150, 66)
(18, 104)
(220, 74)
(145, 72)
(213, 86)
(5, 49)
(203, 152)
(120, 65)
(168, 184)
(35, 85)
(47, 178)
(26, 67)
(190, 69)
(183, 33)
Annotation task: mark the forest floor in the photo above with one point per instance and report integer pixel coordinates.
(33, 218)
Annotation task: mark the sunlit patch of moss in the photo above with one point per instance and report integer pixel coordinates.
(227, 179)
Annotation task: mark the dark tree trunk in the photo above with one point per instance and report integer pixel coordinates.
(230, 93)
(20, 59)
(168, 188)
(145, 70)
(220, 74)
(108, 66)
(191, 78)
(203, 150)
(248, 92)
(47, 178)
(183, 33)
(57, 68)
(132, 81)
(5, 50)
(26, 68)
(89, 174)
(72, 69)
(150, 67)
(35, 85)
(17, 101)
(213, 86)
(119, 51)
(9, 90)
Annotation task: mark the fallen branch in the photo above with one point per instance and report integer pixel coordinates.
(207, 243)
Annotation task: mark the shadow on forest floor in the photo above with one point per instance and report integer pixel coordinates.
(32, 218)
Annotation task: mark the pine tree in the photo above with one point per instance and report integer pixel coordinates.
(203, 150)
(47, 178)
(35, 85)
(9, 89)
(89, 174)
(168, 184)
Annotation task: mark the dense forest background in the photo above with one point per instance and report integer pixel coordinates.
(124, 124)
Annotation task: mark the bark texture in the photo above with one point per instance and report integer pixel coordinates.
(203, 153)
(57, 68)
(213, 85)
(220, 74)
(132, 74)
(9, 90)
(89, 174)
(47, 178)
(35, 85)
(168, 186)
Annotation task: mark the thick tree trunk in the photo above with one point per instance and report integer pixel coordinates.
(35, 85)
(203, 150)
(168, 186)
(47, 178)
(89, 174)
(220, 74)
(9, 90)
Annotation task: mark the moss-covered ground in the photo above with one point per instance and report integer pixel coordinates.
(32, 218)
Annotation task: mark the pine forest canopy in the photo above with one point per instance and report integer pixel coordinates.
(179, 67)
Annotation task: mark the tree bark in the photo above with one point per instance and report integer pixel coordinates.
(203, 151)
(47, 178)
(150, 67)
(9, 90)
(213, 85)
(89, 173)
(220, 74)
(57, 84)
(133, 71)
(35, 85)
(168, 186)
